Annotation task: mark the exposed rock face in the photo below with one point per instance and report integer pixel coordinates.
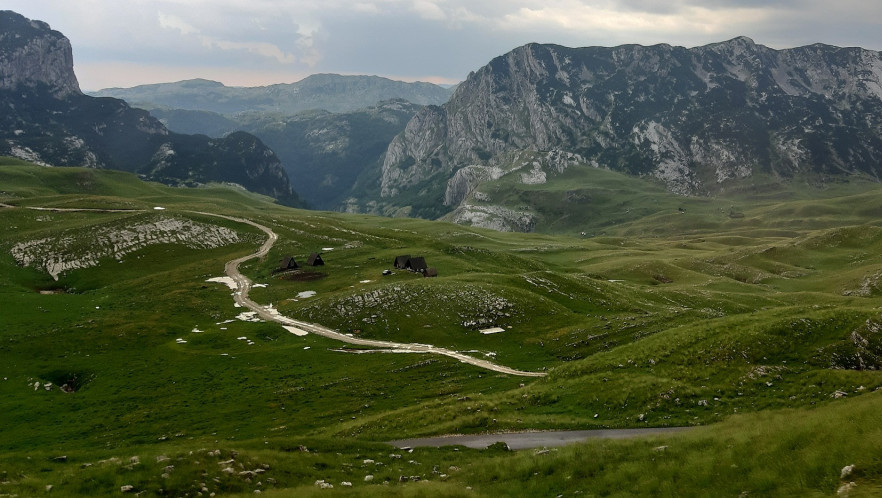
(47, 120)
(73, 249)
(333, 156)
(693, 118)
(32, 54)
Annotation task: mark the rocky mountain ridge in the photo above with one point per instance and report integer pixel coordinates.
(49, 121)
(24, 41)
(335, 157)
(329, 92)
(695, 119)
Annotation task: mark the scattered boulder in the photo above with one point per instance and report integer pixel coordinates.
(324, 485)
(128, 488)
(499, 446)
(368, 478)
(846, 471)
(846, 488)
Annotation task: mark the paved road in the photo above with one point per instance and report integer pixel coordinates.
(524, 440)
(243, 286)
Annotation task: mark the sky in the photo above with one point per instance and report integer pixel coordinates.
(262, 42)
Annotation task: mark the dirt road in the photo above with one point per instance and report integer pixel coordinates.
(243, 286)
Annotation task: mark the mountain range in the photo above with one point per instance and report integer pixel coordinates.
(48, 120)
(329, 92)
(699, 121)
(696, 121)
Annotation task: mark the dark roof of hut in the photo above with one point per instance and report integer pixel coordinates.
(315, 259)
(417, 264)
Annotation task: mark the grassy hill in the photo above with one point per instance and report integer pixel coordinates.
(755, 316)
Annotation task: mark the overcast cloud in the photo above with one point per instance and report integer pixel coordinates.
(260, 42)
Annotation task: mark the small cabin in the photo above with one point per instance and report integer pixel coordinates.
(315, 259)
(417, 264)
(286, 264)
(431, 272)
(400, 262)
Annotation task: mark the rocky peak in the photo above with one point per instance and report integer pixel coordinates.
(693, 118)
(33, 54)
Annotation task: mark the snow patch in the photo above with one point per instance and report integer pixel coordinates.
(295, 331)
(305, 294)
(492, 330)
(248, 316)
(228, 281)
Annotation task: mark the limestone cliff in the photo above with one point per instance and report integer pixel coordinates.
(694, 119)
(47, 120)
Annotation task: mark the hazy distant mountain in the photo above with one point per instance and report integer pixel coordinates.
(697, 120)
(49, 121)
(333, 156)
(330, 92)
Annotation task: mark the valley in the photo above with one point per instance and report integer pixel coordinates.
(597, 271)
(755, 330)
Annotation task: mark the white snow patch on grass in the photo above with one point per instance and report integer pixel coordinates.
(248, 316)
(306, 294)
(228, 281)
(295, 331)
(493, 330)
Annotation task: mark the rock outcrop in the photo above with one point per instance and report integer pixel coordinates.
(695, 119)
(47, 120)
(32, 54)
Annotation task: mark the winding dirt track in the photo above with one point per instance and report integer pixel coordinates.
(243, 286)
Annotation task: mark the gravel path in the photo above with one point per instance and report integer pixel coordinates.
(524, 440)
(243, 286)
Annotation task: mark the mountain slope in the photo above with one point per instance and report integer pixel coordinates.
(333, 157)
(132, 371)
(698, 120)
(48, 120)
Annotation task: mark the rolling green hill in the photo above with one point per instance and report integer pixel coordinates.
(754, 316)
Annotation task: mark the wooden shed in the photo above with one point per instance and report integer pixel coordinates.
(431, 272)
(315, 259)
(286, 264)
(417, 264)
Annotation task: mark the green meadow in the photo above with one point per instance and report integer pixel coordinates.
(754, 317)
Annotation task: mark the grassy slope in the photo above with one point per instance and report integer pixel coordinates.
(729, 320)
